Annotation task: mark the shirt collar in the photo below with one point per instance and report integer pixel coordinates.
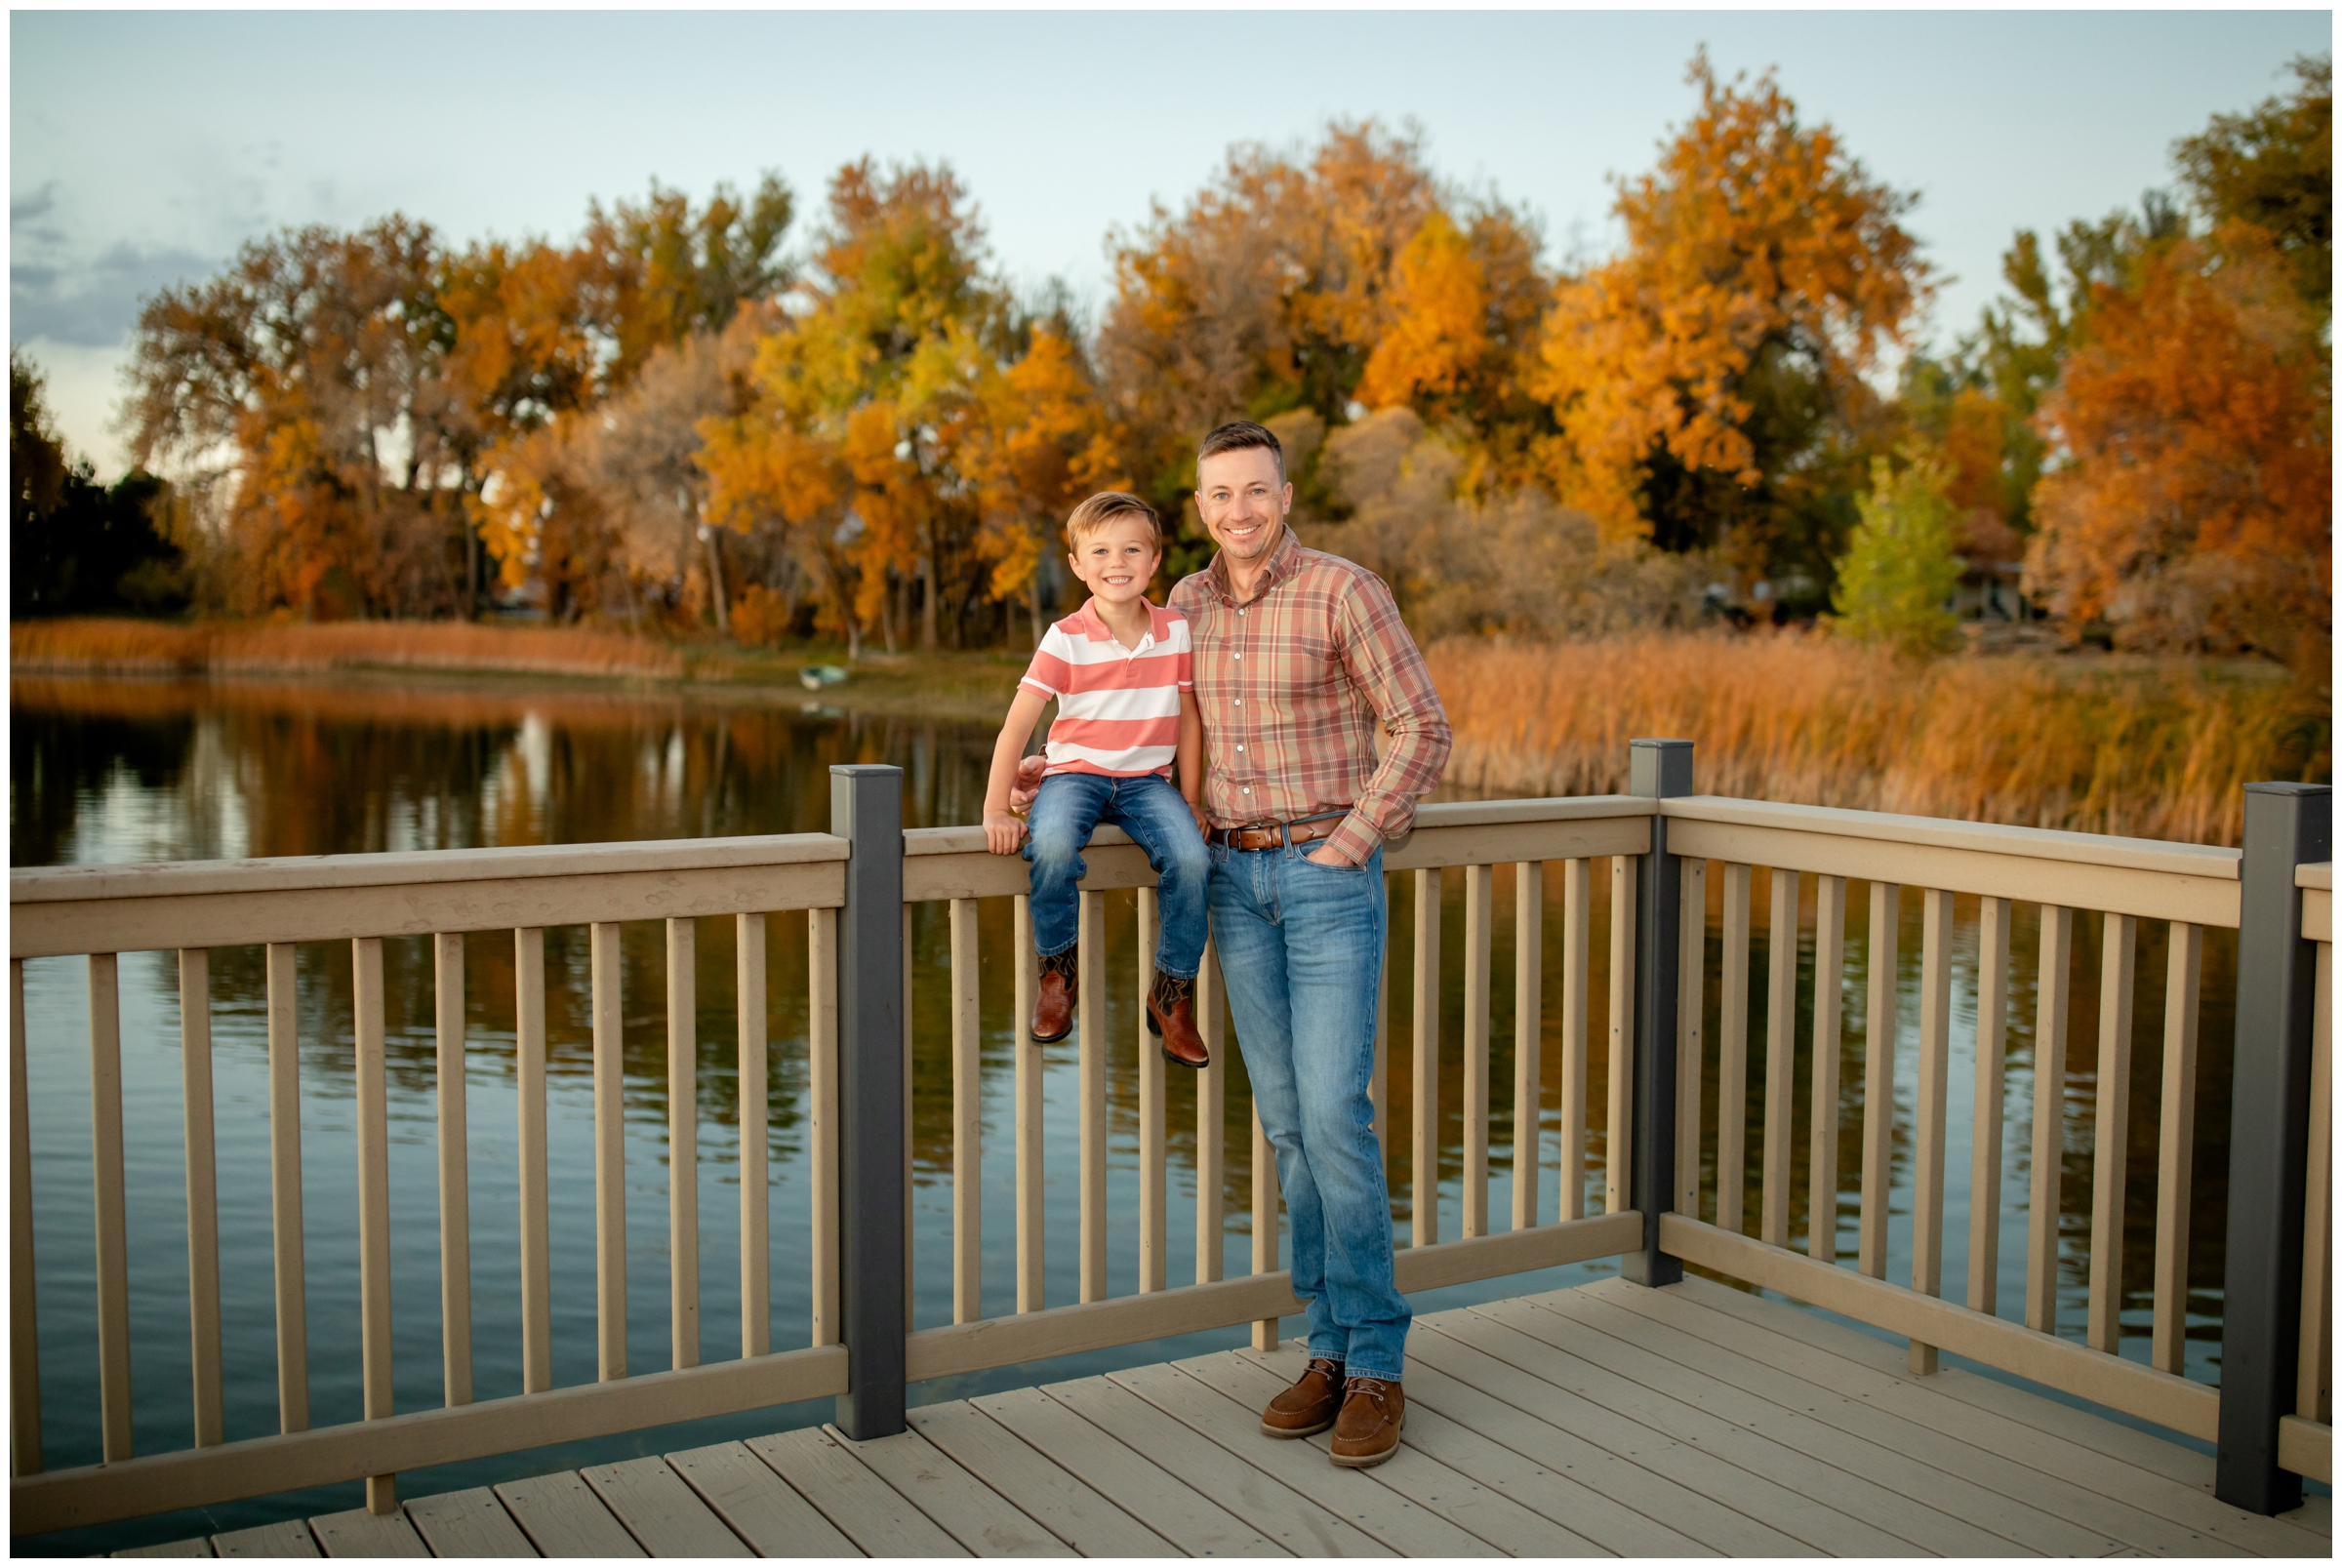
(1283, 562)
(1091, 624)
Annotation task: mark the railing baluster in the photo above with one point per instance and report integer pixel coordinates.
(2314, 1368)
(1780, 1056)
(1031, 1176)
(1935, 1057)
(284, 1192)
(821, 1073)
(203, 1193)
(1424, 1181)
(1263, 1222)
(108, 1205)
(1984, 1151)
(2175, 1155)
(609, 1153)
(24, 1303)
(2052, 990)
(1092, 959)
(1828, 1007)
(2118, 972)
(1154, 1174)
(1577, 962)
(455, 1170)
(1879, 1077)
(536, 1258)
(967, 1117)
(1528, 1036)
(1732, 1069)
(1211, 1121)
(1478, 916)
(374, 1199)
(683, 1142)
(1618, 1147)
(756, 1198)
(1691, 983)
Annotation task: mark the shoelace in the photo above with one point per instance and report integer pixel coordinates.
(1374, 1388)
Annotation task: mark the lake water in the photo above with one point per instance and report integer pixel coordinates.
(116, 771)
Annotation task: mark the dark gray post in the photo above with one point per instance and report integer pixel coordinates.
(1657, 769)
(866, 809)
(2285, 826)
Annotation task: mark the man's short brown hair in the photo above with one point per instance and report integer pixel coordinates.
(1237, 435)
(1107, 507)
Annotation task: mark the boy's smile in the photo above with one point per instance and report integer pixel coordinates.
(1118, 562)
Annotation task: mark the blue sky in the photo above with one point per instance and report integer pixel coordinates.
(146, 146)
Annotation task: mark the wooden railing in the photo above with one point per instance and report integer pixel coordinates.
(191, 910)
(951, 864)
(856, 884)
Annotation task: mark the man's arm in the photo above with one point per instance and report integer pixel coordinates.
(1191, 758)
(1381, 660)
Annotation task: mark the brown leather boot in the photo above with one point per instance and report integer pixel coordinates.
(1061, 988)
(1366, 1432)
(1171, 1017)
(1308, 1406)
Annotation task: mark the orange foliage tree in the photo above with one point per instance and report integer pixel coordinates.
(1697, 378)
(2194, 504)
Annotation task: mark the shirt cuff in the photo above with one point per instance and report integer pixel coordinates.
(1354, 840)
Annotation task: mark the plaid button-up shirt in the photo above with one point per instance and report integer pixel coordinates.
(1293, 684)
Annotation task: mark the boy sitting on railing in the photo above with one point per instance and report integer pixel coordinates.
(1123, 673)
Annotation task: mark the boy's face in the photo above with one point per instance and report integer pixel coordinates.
(1118, 561)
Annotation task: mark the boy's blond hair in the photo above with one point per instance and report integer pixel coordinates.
(1106, 506)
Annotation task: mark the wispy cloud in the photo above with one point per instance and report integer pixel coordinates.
(68, 291)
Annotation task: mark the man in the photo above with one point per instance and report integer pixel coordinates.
(1299, 657)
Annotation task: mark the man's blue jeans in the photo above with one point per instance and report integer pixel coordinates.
(1301, 948)
(1153, 812)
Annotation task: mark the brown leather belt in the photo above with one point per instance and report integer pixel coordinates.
(1277, 835)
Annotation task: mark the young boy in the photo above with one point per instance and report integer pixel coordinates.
(1122, 670)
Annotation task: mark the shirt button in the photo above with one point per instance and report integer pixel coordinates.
(1239, 701)
(1239, 748)
(1239, 657)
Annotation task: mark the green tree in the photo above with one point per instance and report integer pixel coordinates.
(1899, 569)
(75, 545)
(2273, 167)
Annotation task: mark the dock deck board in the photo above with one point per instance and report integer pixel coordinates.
(1607, 1420)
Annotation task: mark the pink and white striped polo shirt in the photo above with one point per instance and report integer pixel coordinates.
(1118, 707)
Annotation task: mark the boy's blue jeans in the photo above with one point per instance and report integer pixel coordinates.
(1152, 811)
(1301, 948)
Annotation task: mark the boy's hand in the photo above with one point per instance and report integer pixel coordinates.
(1203, 824)
(1029, 773)
(1003, 833)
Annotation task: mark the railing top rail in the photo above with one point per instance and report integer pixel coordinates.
(2034, 843)
(2319, 876)
(1438, 814)
(292, 874)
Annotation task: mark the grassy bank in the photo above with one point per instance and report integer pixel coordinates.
(944, 685)
(2154, 751)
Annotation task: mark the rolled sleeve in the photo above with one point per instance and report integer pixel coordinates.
(1389, 672)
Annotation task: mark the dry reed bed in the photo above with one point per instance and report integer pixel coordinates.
(2031, 742)
(144, 647)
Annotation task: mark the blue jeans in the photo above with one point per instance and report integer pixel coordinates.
(1153, 813)
(1301, 947)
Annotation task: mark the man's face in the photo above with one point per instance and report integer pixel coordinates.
(1243, 500)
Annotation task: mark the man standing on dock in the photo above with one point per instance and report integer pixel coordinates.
(1300, 657)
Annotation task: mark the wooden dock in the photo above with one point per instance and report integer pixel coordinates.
(1606, 1419)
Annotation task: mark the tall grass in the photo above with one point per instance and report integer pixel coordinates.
(2156, 751)
(86, 646)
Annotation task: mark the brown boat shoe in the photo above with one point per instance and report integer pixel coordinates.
(1171, 1019)
(1366, 1432)
(1308, 1407)
(1061, 988)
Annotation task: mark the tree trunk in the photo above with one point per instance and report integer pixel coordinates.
(1032, 602)
(715, 581)
(927, 598)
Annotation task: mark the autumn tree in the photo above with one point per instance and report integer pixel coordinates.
(1266, 292)
(1709, 382)
(2193, 507)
